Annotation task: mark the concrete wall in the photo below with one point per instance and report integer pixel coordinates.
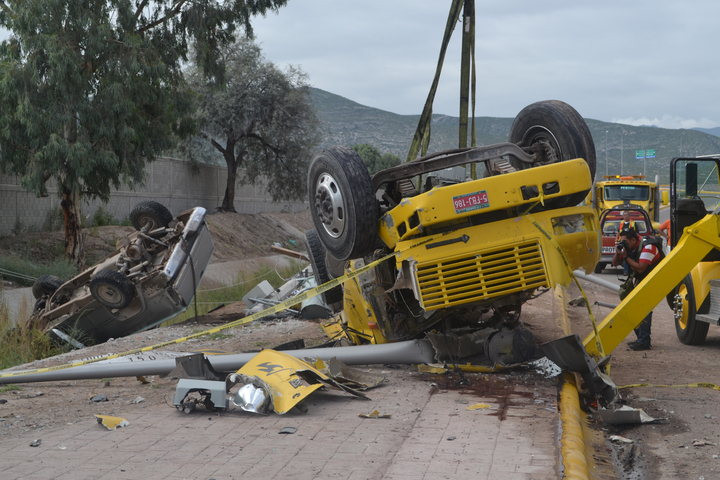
(167, 180)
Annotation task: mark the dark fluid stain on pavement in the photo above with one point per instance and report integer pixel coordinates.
(502, 388)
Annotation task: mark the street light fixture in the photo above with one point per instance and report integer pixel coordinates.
(681, 139)
(622, 151)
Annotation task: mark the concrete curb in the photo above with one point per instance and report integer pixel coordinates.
(572, 439)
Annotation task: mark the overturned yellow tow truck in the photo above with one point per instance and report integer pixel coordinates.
(465, 249)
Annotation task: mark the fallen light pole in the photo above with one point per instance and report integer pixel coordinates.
(597, 280)
(407, 353)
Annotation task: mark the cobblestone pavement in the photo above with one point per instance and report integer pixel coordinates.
(431, 435)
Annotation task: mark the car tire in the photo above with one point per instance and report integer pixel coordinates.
(564, 129)
(46, 285)
(342, 203)
(149, 212)
(690, 331)
(317, 258)
(112, 289)
(599, 267)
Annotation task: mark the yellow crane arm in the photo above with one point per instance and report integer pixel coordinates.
(697, 241)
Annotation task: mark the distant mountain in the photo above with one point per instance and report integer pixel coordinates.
(712, 131)
(348, 123)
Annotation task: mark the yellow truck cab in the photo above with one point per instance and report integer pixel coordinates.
(463, 249)
(617, 190)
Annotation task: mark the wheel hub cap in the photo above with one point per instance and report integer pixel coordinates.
(329, 205)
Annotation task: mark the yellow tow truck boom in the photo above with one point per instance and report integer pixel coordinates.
(697, 241)
(685, 276)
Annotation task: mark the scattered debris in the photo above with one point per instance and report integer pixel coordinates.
(36, 443)
(578, 302)
(374, 414)
(620, 439)
(288, 430)
(702, 443)
(451, 438)
(99, 398)
(110, 422)
(478, 406)
(431, 369)
(139, 399)
(625, 415)
(354, 378)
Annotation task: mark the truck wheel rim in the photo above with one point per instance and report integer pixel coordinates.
(109, 295)
(329, 205)
(683, 319)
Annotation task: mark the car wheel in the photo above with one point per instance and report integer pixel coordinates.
(317, 258)
(46, 285)
(151, 214)
(689, 330)
(112, 289)
(599, 267)
(559, 127)
(343, 205)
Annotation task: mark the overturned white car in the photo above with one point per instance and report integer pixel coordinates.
(152, 276)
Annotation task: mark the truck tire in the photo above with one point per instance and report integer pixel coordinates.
(689, 330)
(562, 127)
(153, 213)
(46, 285)
(317, 258)
(112, 289)
(342, 203)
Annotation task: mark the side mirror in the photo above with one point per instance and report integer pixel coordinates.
(665, 197)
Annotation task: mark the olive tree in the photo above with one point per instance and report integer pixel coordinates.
(91, 90)
(261, 120)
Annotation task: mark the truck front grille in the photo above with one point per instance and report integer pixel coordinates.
(480, 276)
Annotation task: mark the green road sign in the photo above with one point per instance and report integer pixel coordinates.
(639, 154)
(650, 154)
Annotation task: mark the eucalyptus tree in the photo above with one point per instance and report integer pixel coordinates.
(261, 120)
(91, 90)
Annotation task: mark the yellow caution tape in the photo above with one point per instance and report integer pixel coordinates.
(269, 311)
(711, 386)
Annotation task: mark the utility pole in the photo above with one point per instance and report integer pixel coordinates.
(606, 154)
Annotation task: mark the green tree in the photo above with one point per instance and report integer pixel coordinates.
(263, 121)
(375, 160)
(91, 90)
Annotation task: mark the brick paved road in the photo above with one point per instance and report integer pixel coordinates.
(431, 435)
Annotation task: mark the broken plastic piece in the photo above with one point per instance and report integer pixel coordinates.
(111, 423)
(36, 443)
(478, 406)
(288, 430)
(620, 439)
(375, 414)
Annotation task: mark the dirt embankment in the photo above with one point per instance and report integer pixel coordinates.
(236, 236)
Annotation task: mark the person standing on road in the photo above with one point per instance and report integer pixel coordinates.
(626, 224)
(641, 259)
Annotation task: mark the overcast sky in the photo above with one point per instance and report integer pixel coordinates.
(638, 62)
